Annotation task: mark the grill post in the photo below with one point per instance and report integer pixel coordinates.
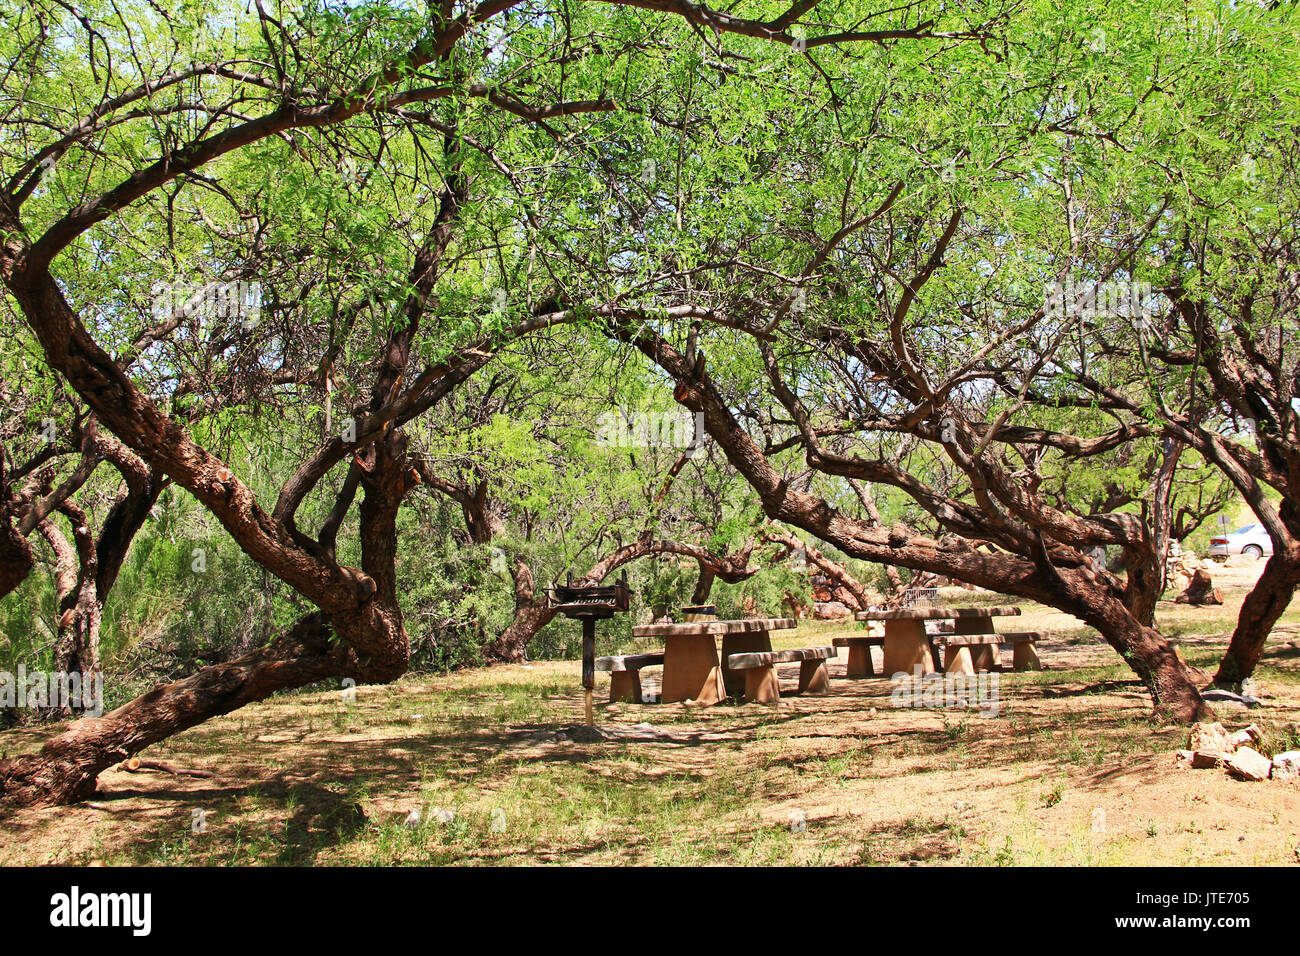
(589, 664)
(589, 602)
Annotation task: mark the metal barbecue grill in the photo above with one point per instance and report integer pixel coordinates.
(589, 603)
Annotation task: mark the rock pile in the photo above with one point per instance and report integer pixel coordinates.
(1212, 745)
(831, 610)
(1200, 590)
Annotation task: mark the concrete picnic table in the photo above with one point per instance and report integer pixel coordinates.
(907, 644)
(693, 669)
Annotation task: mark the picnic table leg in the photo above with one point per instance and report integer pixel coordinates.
(984, 657)
(814, 678)
(741, 644)
(1024, 657)
(691, 670)
(906, 645)
(625, 686)
(957, 660)
(859, 664)
(761, 685)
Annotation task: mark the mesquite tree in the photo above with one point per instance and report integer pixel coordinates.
(404, 156)
(902, 293)
(1212, 367)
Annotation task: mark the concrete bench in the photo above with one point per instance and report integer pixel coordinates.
(625, 676)
(859, 664)
(761, 685)
(968, 653)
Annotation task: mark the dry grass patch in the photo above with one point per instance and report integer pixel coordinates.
(1070, 771)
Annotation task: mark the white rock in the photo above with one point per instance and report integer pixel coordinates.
(1249, 735)
(1286, 766)
(1211, 737)
(1249, 764)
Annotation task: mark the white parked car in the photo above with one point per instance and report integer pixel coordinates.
(1249, 539)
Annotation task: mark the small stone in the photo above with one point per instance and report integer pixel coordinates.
(1209, 737)
(1286, 766)
(1183, 757)
(1249, 764)
(1205, 759)
(1250, 735)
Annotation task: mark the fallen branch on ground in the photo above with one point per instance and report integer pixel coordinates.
(135, 765)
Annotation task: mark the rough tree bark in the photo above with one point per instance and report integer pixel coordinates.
(67, 767)
(76, 643)
(16, 557)
(856, 590)
(1260, 611)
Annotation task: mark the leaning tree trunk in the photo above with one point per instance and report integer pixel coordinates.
(67, 767)
(510, 646)
(703, 585)
(1094, 598)
(837, 572)
(76, 645)
(1146, 582)
(531, 615)
(1089, 596)
(1171, 681)
(1263, 606)
(16, 558)
(1146, 557)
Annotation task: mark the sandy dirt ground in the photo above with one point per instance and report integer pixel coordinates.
(1070, 770)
